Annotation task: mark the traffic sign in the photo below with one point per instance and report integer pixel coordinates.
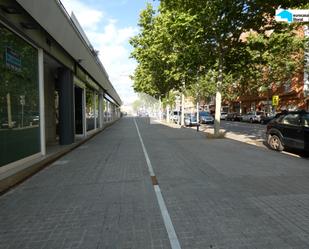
(275, 100)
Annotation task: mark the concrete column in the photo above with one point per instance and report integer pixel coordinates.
(42, 101)
(66, 106)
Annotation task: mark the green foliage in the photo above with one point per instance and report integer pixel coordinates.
(267, 59)
(169, 99)
(197, 42)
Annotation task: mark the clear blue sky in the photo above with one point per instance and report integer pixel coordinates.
(125, 11)
(109, 24)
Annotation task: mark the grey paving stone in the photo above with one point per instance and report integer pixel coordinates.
(220, 194)
(225, 194)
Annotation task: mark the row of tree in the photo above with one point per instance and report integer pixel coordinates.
(215, 47)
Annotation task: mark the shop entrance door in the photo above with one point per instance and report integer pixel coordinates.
(79, 111)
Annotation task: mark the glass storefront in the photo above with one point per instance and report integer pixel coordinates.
(90, 110)
(19, 98)
(104, 108)
(97, 116)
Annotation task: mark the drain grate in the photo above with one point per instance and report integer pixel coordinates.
(154, 180)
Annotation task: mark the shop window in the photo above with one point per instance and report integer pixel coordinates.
(104, 110)
(97, 110)
(19, 98)
(90, 110)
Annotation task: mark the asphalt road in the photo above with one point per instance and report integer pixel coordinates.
(218, 193)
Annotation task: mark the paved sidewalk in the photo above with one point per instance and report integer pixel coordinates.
(225, 194)
(98, 196)
(220, 194)
(227, 134)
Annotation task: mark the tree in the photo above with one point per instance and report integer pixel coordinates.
(218, 26)
(267, 60)
(187, 35)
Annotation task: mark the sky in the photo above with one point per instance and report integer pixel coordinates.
(109, 24)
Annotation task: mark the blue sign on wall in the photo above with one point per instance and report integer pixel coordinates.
(12, 59)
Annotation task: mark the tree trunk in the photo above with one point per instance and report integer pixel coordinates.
(182, 109)
(197, 112)
(218, 98)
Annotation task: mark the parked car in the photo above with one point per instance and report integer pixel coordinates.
(266, 119)
(5, 124)
(233, 116)
(289, 130)
(206, 118)
(190, 120)
(223, 115)
(175, 116)
(253, 117)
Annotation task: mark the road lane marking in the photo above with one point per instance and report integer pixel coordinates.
(164, 212)
(167, 219)
(150, 169)
(290, 154)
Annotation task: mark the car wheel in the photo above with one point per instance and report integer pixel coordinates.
(275, 142)
(251, 120)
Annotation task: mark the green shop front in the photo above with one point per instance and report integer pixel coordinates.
(19, 98)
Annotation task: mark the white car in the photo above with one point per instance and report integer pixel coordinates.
(223, 115)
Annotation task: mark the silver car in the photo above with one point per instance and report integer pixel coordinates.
(190, 120)
(253, 117)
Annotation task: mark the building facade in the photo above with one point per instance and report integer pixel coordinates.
(291, 97)
(53, 88)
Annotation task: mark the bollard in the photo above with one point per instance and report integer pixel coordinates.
(197, 127)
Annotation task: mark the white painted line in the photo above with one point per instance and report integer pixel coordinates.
(290, 154)
(150, 169)
(164, 212)
(167, 219)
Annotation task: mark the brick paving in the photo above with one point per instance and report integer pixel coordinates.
(98, 196)
(220, 194)
(229, 195)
